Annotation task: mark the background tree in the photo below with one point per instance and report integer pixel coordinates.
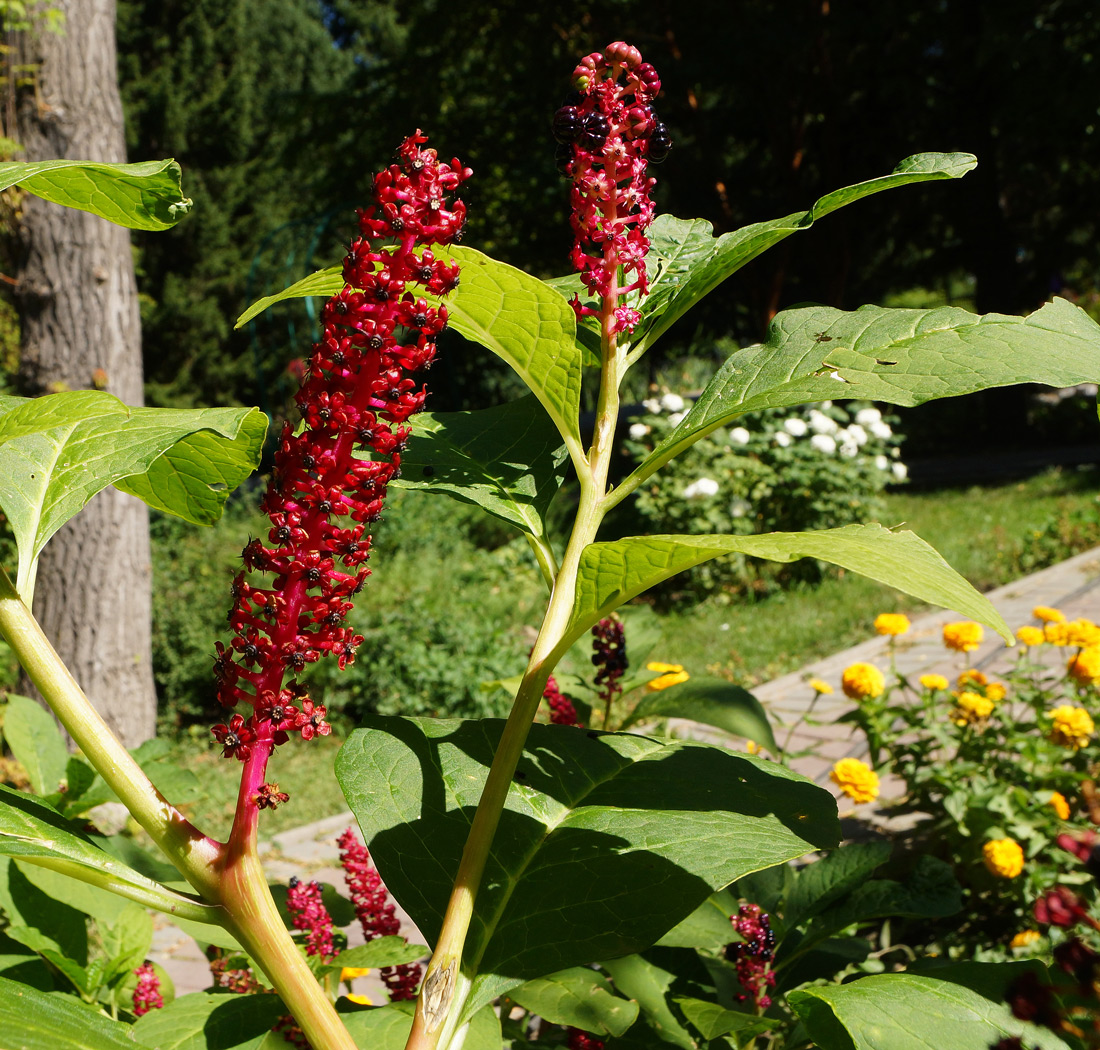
(80, 326)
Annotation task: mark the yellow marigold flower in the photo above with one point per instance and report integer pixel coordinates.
(964, 636)
(1061, 806)
(1056, 633)
(820, 687)
(349, 973)
(670, 674)
(933, 681)
(1024, 938)
(1048, 615)
(971, 708)
(862, 682)
(1003, 857)
(1030, 636)
(1071, 726)
(1082, 633)
(1084, 667)
(995, 691)
(892, 623)
(856, 779)
(360, 1000)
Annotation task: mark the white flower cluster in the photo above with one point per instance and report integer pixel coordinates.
(701, 488)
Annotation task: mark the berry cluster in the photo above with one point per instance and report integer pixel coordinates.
(562, 711)
(147, 992)
(356, 396)
(753, 954)
(579, 1039)
(609, 657)
(607, 133)
(308, 913)
(375, 912)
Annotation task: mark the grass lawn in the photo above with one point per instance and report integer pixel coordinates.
(978, 530)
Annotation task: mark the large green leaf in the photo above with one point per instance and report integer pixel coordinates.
(204, 1020)
(686, 260)
(143, 196)
(901, 1011)
(606, 840)
(509, 460)
(35, 740)
(58, 451)
(580, 997)
(388, 1027)
(821, 883)
(32, 831)
(507, 311)
(903, 357)
(707, 927)
(649, 984)
(382, 951)
(613, 573)
(34, 1020)
(712, 701)
(714, 1021)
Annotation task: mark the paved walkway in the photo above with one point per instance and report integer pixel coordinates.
(1073, 586)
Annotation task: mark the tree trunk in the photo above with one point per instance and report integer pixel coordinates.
(80, 329)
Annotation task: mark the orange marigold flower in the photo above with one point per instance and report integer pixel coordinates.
(892, 623)
(856, 779)
(964, 636)
(1003, 857)
(1024, 938)
(1071, 726)
(933, 682)
(862, 681)
(1048, 615)
(995, 691)
(971, 677)
(1030, 636)
(1084, 667)
(1061, 807)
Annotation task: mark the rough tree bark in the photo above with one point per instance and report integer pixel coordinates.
(80, 329)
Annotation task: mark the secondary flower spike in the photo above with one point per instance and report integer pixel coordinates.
(607, 134)
(357, 394)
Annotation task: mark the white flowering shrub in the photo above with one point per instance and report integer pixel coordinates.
(789, 470)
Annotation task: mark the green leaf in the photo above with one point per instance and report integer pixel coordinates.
(32, 831)
(640, 979)
(34, 1020)
(507, 311)
(508, 460)
(205, 1020)
(580, 997)
(382, 951)
(323, 283)
(525, 324)
(25, 904)
(126, 940)
(606, 840)
(144, 196)
(901, 1011)
(706, 927)
(58, 451)
(902, 357)
(712, 701)
(686, 261)
(33, 938)
(714, 1021)
(388, 1027)
(826, 880)
(35, 741)
(613, 573)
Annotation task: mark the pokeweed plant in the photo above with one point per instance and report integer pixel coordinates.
(520, 851)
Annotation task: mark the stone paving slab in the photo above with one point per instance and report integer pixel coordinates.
(1072, 586)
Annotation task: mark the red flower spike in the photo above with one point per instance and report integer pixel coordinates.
(1059, 907)
(562, 711)
(375, 912)
(753, 954)
(147, 993)
(607, 137)
(356, 393)
(308, 913)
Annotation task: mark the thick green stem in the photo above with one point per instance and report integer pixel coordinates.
(255, 921)
(193, 853)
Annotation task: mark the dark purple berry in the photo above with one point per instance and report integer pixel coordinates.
(567, 124)
(660, 142)
(594, 133)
